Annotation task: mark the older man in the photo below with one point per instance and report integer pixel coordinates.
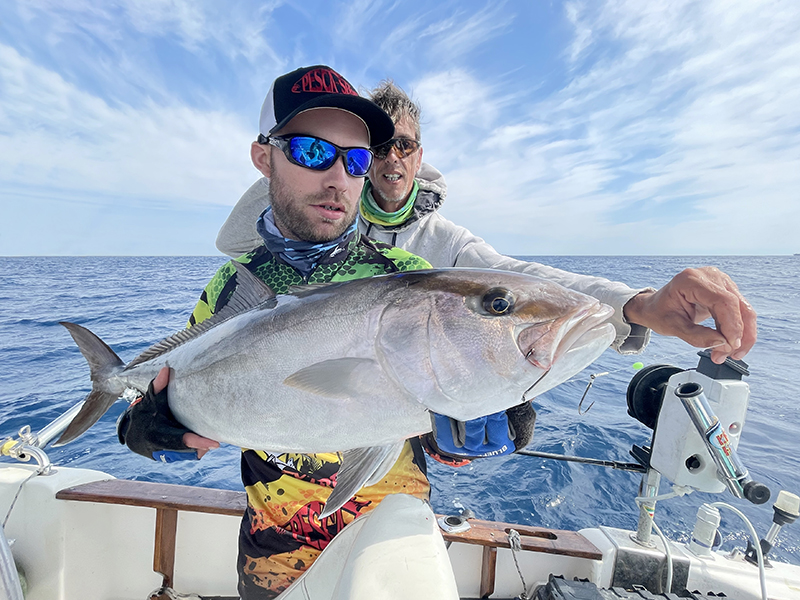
(310, 120)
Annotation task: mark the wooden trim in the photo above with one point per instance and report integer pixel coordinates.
(167, 500)
(535, 539)
(164, 545)
(158, 495)
(488, 567)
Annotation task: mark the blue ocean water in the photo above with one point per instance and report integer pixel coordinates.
(132, 302)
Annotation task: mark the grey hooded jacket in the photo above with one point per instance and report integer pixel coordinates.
(443, 244)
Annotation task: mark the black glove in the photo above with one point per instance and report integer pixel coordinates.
(148, 428)
(494, 435)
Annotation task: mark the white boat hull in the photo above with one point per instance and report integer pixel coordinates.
(88, 550)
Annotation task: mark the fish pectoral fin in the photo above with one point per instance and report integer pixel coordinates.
(360, 467)
(338, 378)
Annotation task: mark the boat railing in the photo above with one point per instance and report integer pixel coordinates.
(23, 450)
(30, 445)
(169, 499)
(56, 427)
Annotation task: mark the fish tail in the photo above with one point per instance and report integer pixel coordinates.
(103, 363)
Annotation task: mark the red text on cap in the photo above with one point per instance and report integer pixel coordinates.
(323, 80)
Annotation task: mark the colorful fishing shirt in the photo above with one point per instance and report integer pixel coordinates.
(281, 534)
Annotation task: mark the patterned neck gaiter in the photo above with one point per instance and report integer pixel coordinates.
(303, 256)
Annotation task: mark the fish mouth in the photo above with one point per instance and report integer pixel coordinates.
(544, 344)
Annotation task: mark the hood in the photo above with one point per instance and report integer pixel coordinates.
(431, 180)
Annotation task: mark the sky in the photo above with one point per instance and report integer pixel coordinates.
(596, 127)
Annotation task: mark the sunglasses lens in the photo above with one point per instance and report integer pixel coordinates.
(402, 146)
(358, 161)
(405, 147)
(312, 152)
(382, 151)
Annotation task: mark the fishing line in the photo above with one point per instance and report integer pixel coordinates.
(592, 377)
(19, 489)
(656, 358)
(636, 366)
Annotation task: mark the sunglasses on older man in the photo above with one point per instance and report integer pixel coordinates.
(319, 155)
(402, 146)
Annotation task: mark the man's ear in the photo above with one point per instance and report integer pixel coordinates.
(260, 154)
(419, 160)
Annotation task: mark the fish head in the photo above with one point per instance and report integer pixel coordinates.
(472, 342)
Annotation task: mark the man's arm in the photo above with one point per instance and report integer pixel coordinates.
(676, 309)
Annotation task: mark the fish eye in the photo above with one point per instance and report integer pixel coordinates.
(498, 301)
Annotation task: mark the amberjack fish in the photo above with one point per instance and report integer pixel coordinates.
(355, 367)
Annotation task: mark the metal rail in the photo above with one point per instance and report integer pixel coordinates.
(636, 467)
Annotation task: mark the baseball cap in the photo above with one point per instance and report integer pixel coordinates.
(320, 87)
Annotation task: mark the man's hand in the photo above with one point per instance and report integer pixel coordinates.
(690, 298)
(192, 440)
(149, 428)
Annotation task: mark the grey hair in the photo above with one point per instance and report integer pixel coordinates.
(396, 103)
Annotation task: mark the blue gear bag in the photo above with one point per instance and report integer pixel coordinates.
(478, 438)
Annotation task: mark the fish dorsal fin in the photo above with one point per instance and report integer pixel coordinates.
(250, 290)
(360, 467)
(250, 293)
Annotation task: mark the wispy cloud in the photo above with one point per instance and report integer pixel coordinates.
(391, 37)
(464, 32)
(232, 29)
(676, 121)
(67, 139)
(616, 126)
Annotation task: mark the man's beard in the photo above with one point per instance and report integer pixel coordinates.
(293, 222)
(386, 198)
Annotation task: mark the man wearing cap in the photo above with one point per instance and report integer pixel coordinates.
(400, 204)
(311, 118)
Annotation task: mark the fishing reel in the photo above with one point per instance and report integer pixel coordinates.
(697, 418)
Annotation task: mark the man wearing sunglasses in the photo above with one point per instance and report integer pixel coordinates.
(399, 205)
(313, 145)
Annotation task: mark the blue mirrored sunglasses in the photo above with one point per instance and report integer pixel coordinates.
(319, 155)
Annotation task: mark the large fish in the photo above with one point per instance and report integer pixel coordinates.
(357, 366)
